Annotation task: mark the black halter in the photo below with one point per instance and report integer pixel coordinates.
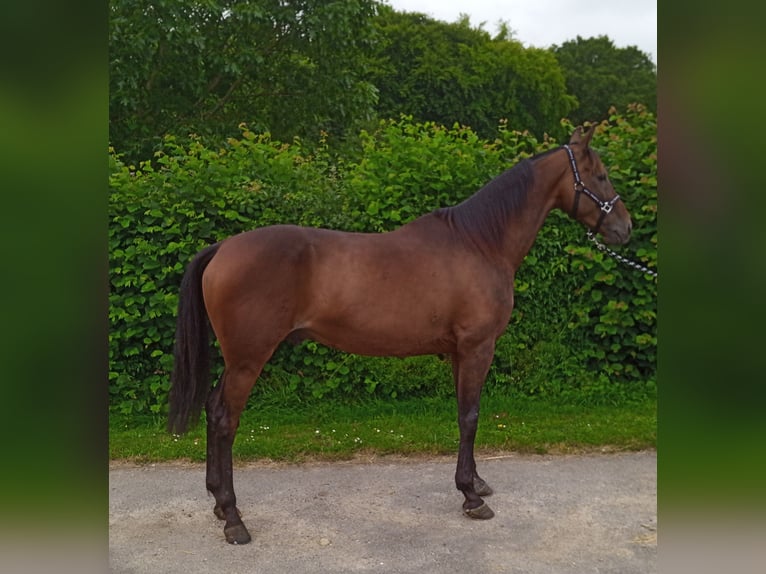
(579, 187)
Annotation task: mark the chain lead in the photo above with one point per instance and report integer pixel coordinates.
(601, 247)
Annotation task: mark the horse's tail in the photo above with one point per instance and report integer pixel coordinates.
(190, 381)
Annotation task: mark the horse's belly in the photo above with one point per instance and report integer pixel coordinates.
(380, 337)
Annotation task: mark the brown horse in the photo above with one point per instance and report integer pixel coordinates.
(441, 284)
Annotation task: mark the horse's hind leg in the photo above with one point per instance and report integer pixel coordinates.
(214, 411)
(224, 407)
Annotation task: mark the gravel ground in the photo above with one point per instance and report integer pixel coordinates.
(554, 514)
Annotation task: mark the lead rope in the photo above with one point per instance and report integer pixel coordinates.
(603, 248)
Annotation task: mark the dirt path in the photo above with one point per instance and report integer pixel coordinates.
(554, 514)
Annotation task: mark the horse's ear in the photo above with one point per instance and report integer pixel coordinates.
(580, 136)
(588, 136)
(576, 136)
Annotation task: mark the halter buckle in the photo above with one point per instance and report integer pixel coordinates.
(607, 206)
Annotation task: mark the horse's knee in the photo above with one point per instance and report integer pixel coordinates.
(469, 420)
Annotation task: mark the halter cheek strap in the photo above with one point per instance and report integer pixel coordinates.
(579, 187)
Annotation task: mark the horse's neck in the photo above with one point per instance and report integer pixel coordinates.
(524, 225)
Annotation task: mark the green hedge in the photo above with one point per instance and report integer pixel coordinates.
(584, 328)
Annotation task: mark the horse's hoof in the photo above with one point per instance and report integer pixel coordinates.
(480, 487)
(237, 534)
(483, 512)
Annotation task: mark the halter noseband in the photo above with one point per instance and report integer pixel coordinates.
(579, 187)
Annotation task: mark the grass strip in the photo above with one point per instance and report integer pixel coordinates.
(331, 431)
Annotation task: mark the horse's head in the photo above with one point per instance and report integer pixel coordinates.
(592, 200)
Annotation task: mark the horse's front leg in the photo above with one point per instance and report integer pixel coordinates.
(470, 370)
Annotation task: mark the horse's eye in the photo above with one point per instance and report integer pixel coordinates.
(602, 177)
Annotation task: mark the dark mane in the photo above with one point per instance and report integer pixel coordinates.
(482, 219)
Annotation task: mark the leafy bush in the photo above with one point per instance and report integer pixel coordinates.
(584, 328)
(408, 169)
(162, 214)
